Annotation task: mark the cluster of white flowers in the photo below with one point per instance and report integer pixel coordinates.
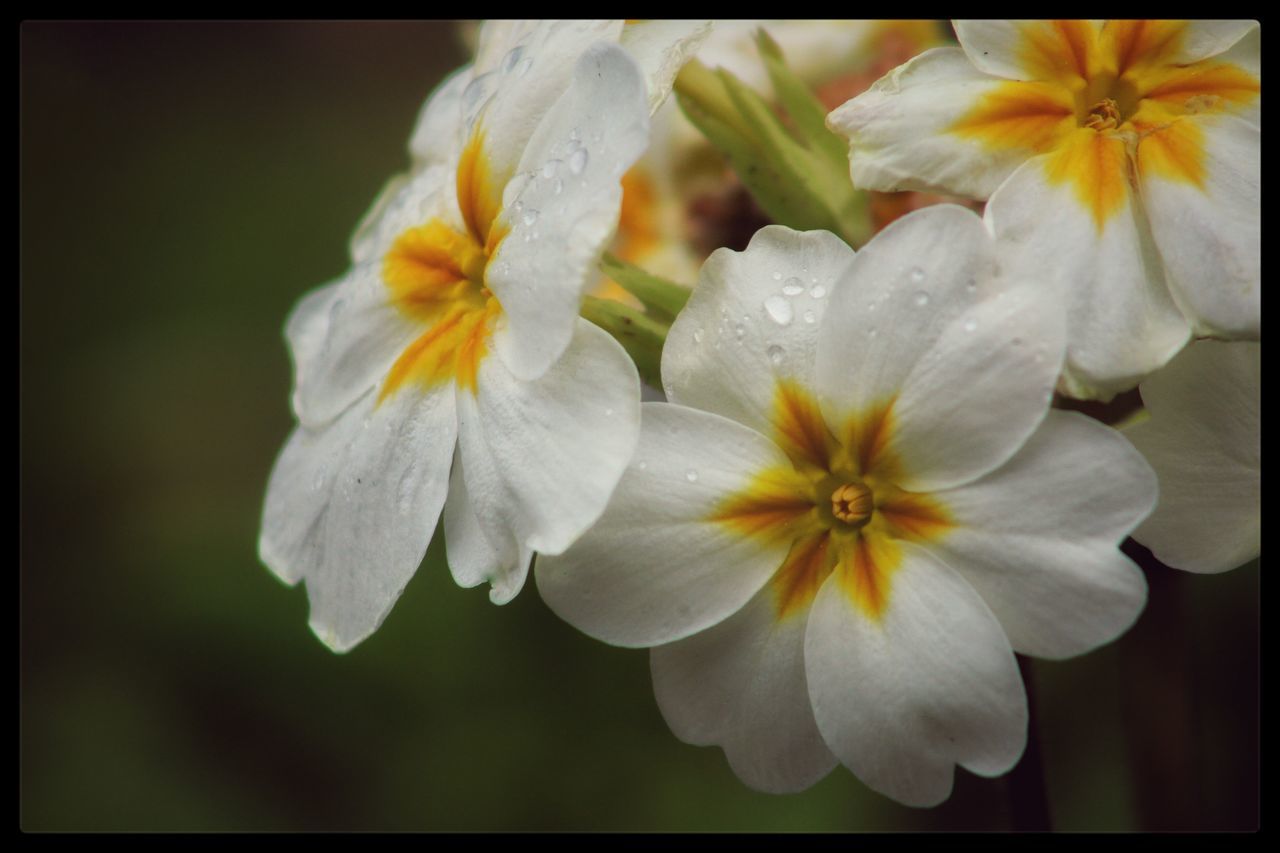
(855, 503)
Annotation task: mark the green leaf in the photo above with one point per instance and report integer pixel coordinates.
(641, 336)
(662, 299)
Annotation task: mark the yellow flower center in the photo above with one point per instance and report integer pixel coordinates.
(1102, 102)
(436, 276)
(837, 505)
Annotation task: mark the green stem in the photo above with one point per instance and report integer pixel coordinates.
(641, 335)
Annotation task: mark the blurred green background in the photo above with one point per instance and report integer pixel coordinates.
(181, 186)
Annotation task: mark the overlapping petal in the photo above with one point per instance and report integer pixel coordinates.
(1055, 596)
(922, 328)
(351, 507)
(657, 566)
(1204, 440)
(542, 457)
(1096, 254)
(562, 211)
(741, 685)
(937, 124)
(753, 320)
(932, 685)
(1201, 181)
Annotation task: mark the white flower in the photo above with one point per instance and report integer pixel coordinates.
(1203, 437)
(856, 511)
(450, 359)
(1122, 162)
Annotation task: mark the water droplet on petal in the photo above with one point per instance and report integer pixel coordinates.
(549, 168)
(777, 276)
(739, 330)
(578, 161)
(921, 299)
(776, 353)
(778, 309)
(697, 336)
(524, 66)
(810, 317)
(530, 217)
(691, 475)
(558, 187)
(817, 291)
(970, 325)
(793, 287)
(917, 274)
(642, 465)
(608, 413)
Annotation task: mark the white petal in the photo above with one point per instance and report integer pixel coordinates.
(541, 458)
(654, 568)
(564, 209)
(1029, 50)
(932, 685)
(1208, 223)
(305, 330)
(1204, 440)
(364, 335)
(1203, 39)
(438, 132)
(753, 319)
(351, 508)
(901, 137)
(1038, 538)
(405, 202)
(662, 47)
(518, 76)
(475, 558)
(740, 685)
(919, 323)
(1121, 321)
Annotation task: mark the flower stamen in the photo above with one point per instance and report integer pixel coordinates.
(852, 503)
(1105, 115)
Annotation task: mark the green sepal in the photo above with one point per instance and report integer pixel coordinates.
(661, 298)
(641, 336)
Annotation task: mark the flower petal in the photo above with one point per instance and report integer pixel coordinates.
(964, 379)
(1062, 52)
(1204, 440)
(931, 684)
(752, 320)
(541, 458)
(1037, 538)
(937, 124)
(563, 210)
(473, 557)
(521, 69)
(1201, 183)
(1203, 39)
(351, 508)
(1068, 221)
(662, 47)
(656, 568)
(438, 133)
(740, 685)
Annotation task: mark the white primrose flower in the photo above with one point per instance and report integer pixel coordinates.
(1122, 163)
(450, 359)
(855, 511)
(1203, 437)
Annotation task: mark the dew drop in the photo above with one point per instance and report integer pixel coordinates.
(524, 66)
(777, 276)
(970, 325)
(530, 217)
(697, 336)
(739, 330)
(778, 309)
(776, 353)
(642, 465)
(921, 299)
(558, 187)
(578, 161)
(810, 317)
(691, 475)
(608, 413)
(817, 291)
(793, 287)
(917, 274)
(549, 168)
